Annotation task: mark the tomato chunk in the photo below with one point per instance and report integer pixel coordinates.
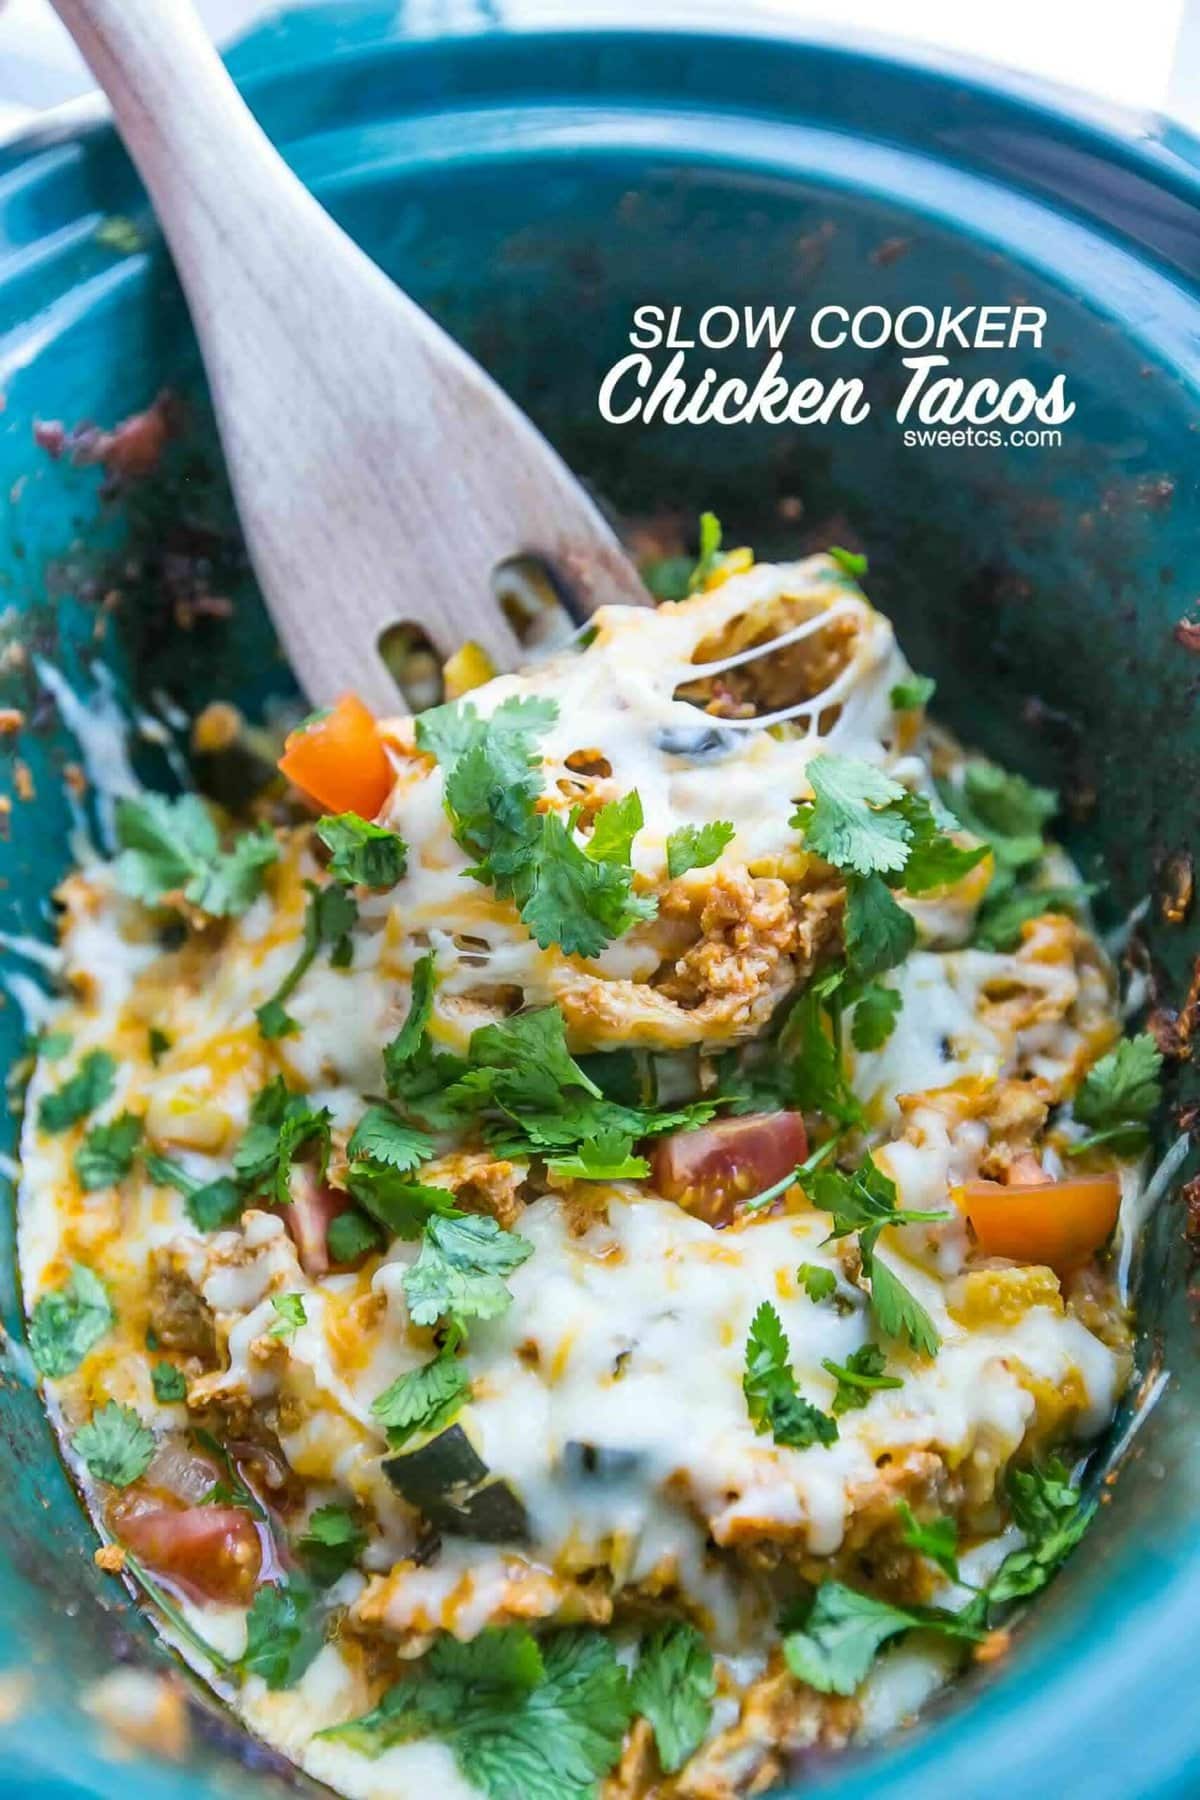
(210, 1552)
(313, 1207)
(711, 1170)
(338, 758)
(1059, 1223)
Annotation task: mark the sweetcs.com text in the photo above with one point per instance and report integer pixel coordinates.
(667, 378)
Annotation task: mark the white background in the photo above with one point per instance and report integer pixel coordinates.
(1140, 53)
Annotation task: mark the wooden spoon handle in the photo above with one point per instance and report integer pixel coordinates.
(380, 474)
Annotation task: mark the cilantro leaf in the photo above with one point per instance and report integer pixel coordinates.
(106, 1153)
(1010, 812)
(899, 1313)
(402, 1206)
(845, 1630)
(283, 1633)
(879, 933)
(616, 826)
(1051, 1513)
(818, 1282)
(381, 1137)
(459, 1272)
(331, 1544)
(858, 1378)
(849, 822)
(875, 1013)
(1119, 1096)
(673, 1687)
(68, 1321)
(114, 1445)
(172, 847)
(351, 1236)
(697, 846)
(423, 1400)
(813, 1063)
(934, 859)
(363, 854)
(210, 1205)
(410, 1038)
(282, 1124)
(864, 1202)
(913, 692)
(292, 1316)
(523, 1724)
(574, 900)
(85, 1090)
(772, 1398)
(605, 1157)
(329, 918)
(52, 1046)
(168, 1382)
(937, 1539)
(523, 1063)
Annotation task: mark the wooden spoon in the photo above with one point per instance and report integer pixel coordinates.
(380, 474)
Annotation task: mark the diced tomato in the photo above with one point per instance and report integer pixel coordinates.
(210, 1552)
(313, 1207)
(1058, 1223)
(338, 759)
(711, 1170)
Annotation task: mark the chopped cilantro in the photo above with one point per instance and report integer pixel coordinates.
(410, 1039)
(82, 1092)
(283, 1632)
(818, 1282)
(673, 1686)
(54, 1045)
(171, 849)
(423, 1400)
(574, 894)
(331, 1544)
(850, 562)
(459, 1272)
(523, 1722)
(844, 1630)
(696, 846)
(913, 692)
(773, 1400)
(874, 1019)
(210, 1205)
(1119, 1096)
(169, 1383)
(381, 1137)
(157, 1043)
(329, 918)
(106, 1153)
(864, 1201)
(351, 1236)
(282, 1124)
(114, 1445)
(67, 1321)
(937, 1539)
(615, 828)
(879, 933)
(292, 1316)
(810, 1053)
(858, 1378)
(400, 1204)
(1049, 1509)
(852, 821)
(606, 1157)
(363, 854)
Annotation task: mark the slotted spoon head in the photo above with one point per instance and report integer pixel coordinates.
(381, 476)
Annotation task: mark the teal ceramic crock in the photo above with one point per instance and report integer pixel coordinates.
(532, 175)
